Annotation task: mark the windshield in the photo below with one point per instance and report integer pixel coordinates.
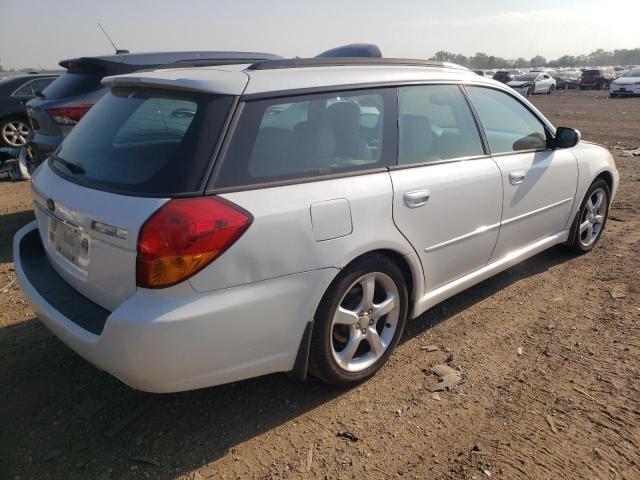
(527, 76)
(144, 141)
(632, 73)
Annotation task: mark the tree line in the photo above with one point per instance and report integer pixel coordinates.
(598, 57)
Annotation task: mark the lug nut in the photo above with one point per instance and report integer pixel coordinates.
(364, 331)
(371, 310)
(371, 322)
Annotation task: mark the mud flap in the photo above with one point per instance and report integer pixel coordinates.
(301, 365)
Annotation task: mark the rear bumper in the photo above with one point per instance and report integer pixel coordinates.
(42, 146)
(161, 343)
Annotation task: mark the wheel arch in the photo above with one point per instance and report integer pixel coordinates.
(412, 273)
(18, 115)
(607, 176)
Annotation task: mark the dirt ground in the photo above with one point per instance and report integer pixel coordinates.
(567, 407)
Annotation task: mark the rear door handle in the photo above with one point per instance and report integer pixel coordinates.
(516, 178)
(416, 198)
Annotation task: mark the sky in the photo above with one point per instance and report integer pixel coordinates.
(40, 33)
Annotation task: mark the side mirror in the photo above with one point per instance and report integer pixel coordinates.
(566, 137)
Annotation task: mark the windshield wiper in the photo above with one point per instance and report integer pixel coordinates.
(72, 167)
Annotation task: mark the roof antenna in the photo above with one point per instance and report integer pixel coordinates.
(118, 52)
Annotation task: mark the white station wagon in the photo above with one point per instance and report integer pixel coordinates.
(206, 225)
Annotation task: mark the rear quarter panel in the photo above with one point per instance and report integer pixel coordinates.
(281, 240)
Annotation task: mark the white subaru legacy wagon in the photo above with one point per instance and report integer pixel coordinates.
(206, 225)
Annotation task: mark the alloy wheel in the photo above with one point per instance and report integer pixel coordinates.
(14, 133)
(365, 322)
(592, 217)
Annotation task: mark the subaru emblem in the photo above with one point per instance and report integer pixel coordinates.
(51, 205)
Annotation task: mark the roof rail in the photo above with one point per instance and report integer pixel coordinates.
(348, 61)
(210, 62)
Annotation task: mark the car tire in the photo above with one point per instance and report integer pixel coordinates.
(612, 95)
(529, 91)
(551, 90)
(359, 321)
(587, 228)
(566, 86)
(14, 131)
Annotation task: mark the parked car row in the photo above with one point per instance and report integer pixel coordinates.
(620, 82)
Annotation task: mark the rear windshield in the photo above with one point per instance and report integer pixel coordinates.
(144, 142)
(72, 84)
(591, 73)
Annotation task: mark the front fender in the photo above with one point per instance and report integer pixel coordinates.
(593, 160)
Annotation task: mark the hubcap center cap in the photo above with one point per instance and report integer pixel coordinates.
(366, 319)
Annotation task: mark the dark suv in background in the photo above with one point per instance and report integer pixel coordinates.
(596, 79)
(15, 92)
(503, 76)
(63, 103)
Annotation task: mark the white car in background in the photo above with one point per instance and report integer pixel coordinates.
(532, 83)
(205, 225)
(626, 84)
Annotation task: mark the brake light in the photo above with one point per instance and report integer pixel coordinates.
(68, 114)
(184, 236)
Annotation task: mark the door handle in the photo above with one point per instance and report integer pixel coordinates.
(516, 178)
(416, 198)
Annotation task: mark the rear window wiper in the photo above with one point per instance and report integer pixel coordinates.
(72, 167)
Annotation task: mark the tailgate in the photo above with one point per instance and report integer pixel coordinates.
(90, 236)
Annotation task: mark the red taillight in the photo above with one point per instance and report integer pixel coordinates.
(184, 236)
(68, 114)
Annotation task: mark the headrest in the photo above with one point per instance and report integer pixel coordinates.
(313, 140)
(344, 117)
(270, 139)
(416, 136)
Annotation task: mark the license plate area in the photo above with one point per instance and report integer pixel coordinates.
(70, 242)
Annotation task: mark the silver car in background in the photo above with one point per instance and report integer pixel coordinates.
(532, 83)
(206, 225)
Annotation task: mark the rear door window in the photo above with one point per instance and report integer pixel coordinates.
(436, 124)
(309, 136)
(145, 141)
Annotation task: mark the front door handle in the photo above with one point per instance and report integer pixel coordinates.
(516, 178)
(416, 198)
